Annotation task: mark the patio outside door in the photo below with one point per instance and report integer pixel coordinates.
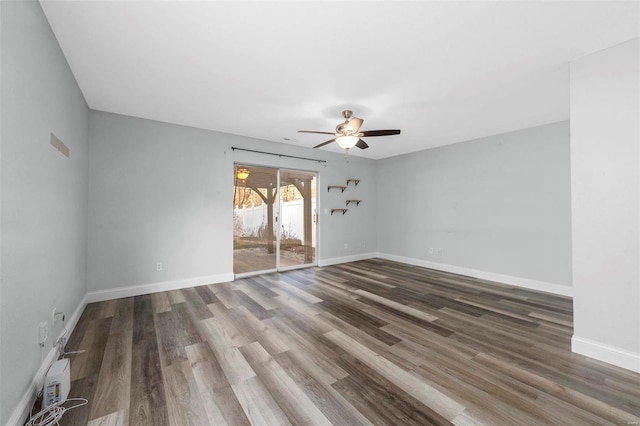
(274, 212)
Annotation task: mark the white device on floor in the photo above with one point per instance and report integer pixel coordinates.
(57, 383)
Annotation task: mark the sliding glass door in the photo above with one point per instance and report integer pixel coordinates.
(274, 219)
(297, 223)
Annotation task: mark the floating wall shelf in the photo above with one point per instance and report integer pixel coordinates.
(342, 188)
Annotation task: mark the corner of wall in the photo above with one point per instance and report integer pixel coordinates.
(606, 353)
(529, 284)
(21, 412)
(140, 289)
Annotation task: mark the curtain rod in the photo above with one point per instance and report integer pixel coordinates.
(279, 155)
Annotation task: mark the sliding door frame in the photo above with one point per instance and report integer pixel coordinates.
(278, 218)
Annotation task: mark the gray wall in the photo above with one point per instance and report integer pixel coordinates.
(164, 193)
(500, 204)
(605, 173)
(44, 194)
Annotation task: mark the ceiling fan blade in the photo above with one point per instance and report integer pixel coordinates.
(370, 133)
(313, 131)
(362, 144)
(325, 143)
(354, 124)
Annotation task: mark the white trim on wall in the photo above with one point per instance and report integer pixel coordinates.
(346, 259)
(21, 412)
(589, 348)
(606, 353)
(140, 289)
(527, 283)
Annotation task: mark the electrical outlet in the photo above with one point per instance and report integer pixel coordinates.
(346, 245)
(43, 333)
(53, 316)
(430, 250)
(159, 266)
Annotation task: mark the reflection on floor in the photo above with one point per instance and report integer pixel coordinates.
(365, 343)
(257, 259)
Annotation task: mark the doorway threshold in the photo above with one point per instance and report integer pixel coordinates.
(254, 273)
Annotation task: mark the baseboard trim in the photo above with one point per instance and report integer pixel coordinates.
(346, 259)
(527, 283)
(21, 412)
(140, 289)
(606, 353)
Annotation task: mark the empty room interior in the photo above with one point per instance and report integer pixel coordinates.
(323, 212)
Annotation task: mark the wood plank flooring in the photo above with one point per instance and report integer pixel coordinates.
(369, 342)
(258, 259)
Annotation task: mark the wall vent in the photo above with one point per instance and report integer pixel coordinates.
(59, 145)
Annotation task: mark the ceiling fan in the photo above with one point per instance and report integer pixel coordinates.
(348, 134)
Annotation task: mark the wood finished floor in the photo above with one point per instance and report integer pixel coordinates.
(370, 342)
(251, 260)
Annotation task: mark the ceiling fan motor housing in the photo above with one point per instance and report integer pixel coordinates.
(346, 129)
(342, 129)
(349, 134)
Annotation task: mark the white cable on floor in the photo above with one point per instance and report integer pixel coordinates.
(53, 413)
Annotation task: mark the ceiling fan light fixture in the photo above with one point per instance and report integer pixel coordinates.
(242, 174)
(348, 134)
(347, 142)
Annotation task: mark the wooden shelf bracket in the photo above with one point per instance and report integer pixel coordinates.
(342, 188)
(339, 210)
(354, 201)
(355, 181)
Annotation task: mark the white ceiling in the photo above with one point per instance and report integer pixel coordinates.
(443, 72)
